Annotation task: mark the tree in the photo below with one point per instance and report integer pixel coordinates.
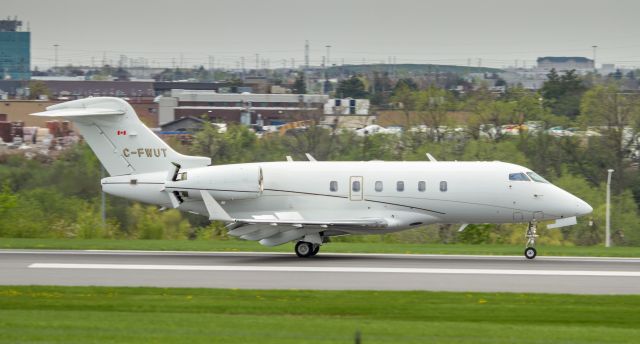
(380, 88)
(563, 93)
(408, 82)
(406, 100)
(38, 88)
(351, 88)
(433, 106)
(619, 114)
(300, 85)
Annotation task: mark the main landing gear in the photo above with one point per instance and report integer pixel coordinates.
(306, 249)
(530, 252)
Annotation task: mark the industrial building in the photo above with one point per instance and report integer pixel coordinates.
(245, 108)
(15, 50)
(565, 63)
(20, 110)
(347, 106)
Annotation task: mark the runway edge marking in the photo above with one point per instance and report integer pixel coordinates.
(243, 268)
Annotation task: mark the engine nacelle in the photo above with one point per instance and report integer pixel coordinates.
(143, 187)
(224, 183)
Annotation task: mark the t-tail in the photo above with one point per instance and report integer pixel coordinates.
(121, 141)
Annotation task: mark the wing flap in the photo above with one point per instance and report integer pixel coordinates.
(372, 222)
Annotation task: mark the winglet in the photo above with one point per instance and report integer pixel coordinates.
(215, 210)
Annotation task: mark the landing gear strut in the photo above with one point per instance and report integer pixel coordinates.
(306, 249)
(530, 252)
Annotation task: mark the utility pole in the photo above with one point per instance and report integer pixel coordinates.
(242, 66)
(607, 233)
(55, 57)
(306, 55)
(328, 55)
(595, 70)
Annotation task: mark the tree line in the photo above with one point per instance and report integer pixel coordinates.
(44, 197)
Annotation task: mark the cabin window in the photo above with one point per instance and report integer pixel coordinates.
(422, 185)
(536, 177)
(333, 186)
(518, 177)
(400, 186)
(378, 186)
(355, 186)
(443, 186)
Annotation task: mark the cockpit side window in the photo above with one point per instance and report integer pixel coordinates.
(518, 177)
(536, 177)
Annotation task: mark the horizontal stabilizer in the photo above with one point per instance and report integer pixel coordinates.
(76, 112)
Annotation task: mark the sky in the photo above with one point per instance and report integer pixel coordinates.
(492, 33)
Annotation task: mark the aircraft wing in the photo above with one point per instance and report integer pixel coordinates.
(272, 232)
(280, 227)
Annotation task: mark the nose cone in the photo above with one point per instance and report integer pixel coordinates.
(569, 205)
(582, 207)
(574, 206)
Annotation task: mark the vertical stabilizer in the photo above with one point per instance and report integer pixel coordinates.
(121, 141)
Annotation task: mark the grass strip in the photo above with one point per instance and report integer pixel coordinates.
(169, 315)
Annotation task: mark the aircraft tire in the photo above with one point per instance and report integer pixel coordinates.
(530, 253)
(304, 249)
(316, 249)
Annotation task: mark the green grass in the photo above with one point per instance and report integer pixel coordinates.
(338, 247)
(137, 315)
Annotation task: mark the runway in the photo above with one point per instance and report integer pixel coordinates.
(246, 270)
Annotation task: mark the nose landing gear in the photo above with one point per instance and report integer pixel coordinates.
(530, 252)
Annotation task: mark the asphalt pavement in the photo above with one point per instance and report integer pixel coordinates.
(247, 270)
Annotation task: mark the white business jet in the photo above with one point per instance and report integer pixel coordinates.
(311, 201)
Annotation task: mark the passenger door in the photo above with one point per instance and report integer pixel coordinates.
(355, 189)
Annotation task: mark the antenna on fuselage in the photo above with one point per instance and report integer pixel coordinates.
(431, 158)
(311, 158)
(289, 159)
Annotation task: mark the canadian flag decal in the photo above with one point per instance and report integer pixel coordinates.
(121, 132)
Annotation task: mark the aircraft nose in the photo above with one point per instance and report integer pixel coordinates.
(582, 207)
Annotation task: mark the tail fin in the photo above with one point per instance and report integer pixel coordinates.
(121, 141)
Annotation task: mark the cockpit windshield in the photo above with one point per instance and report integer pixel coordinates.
(537, 178)
(521, 177)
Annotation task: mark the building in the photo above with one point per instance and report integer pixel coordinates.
(20, 110)
(245, 108)
(565, 63)
(347, 106)
(186, 125)
(607, 68)
(15, 51)
(76, 87)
